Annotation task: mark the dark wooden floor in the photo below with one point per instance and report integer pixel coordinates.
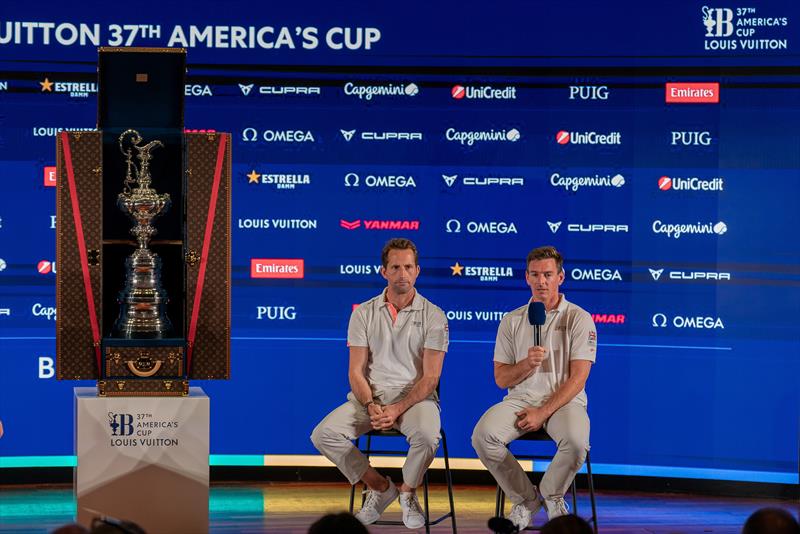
(292, 507)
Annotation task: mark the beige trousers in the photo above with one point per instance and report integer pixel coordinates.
(569, 428)
(420, 424)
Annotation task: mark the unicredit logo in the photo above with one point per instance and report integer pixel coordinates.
(469, 138)
(666, 183)
(379, 224)
(487, 92)
(276, 268)
(563, 137)
(46, 267)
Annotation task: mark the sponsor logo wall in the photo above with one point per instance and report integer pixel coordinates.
(623, 174)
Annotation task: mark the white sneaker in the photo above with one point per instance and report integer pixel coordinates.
(412, 514)
(376, 502)
(522, 513)
(556, 507)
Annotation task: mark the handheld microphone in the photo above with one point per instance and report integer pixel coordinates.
(536, 317)
(501, 525)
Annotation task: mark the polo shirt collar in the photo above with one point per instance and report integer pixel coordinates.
(562, 303)
(416, 302)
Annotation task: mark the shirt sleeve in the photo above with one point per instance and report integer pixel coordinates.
(504, 344)
(437, 332)
(583, 337)
(357, 329)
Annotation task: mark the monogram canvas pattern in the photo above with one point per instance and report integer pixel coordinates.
(211, 353)
(75, 353)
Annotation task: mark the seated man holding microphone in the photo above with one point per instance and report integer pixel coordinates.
(545, 380)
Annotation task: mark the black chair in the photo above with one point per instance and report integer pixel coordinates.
(542, 435)
(428, 523)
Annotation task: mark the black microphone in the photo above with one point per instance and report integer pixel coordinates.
(536, 317)
(501, 525)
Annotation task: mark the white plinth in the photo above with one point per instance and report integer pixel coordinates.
(144, 459)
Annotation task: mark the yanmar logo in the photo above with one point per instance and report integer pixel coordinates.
(564, 137)
(73, 89)
(277, 268)
(484, 273)
(486, 92)
(379, 224)
(609, 318)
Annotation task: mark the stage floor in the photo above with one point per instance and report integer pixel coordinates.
(292, 507)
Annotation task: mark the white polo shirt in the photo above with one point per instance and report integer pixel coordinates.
(568, 334)
(396, 339)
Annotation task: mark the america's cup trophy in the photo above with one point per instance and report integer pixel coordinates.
(142, 301)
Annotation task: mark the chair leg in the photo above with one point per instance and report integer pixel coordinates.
(427, 509)
(591, 491)
(574, 497)
(353, 487)
(449, 478)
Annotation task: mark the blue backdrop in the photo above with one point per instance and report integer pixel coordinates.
(465, 125)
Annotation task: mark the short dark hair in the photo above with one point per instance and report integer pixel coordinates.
(342, 523)
(771, 521)
(398, 243)
(545, 253)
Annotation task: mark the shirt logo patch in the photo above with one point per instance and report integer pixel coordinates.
(592, 341)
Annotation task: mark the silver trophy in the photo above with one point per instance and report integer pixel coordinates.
(142, 301)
